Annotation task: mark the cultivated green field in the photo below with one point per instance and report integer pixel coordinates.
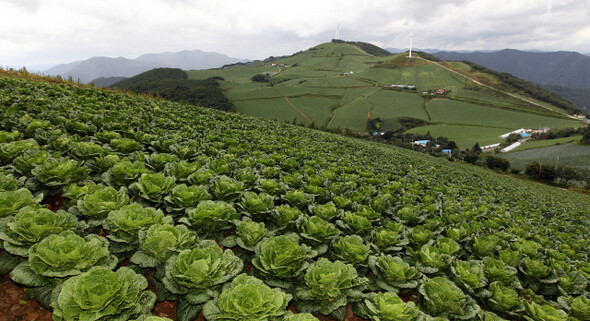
(120, 207)
(353, 93)
(353, 115)
(532, 144)
(465, 136)
(454, 112)
(316, 108)
(424, 77)
(568, 155)
(274, 108)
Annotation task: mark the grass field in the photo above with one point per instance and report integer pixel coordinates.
(275, 108)
(352, 115)
(389, 105)
(338, 81)
(239, 74)
(547, 142)
(464, 136)
(454, 112)
(316, 108)
(424, 77)
(353, 93)
(569, 155)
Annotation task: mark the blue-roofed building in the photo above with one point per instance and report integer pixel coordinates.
(421, 142)
(525, 135)
(447, 151)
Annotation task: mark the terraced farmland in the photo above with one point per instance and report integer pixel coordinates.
(361, 85)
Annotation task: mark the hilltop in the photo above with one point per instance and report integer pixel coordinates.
(343, 85)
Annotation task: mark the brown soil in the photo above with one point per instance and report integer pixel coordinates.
(14, 306)
(53, 202)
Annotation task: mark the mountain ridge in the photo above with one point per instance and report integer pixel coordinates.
(561, 68)
(93, 68)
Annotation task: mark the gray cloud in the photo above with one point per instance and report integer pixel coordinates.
(57, 31)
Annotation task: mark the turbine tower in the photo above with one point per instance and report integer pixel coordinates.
(337, 32)
(411, 38)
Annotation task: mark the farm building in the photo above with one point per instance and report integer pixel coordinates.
(447, 151)
(490, 147)
(421, 142)
(518, 131)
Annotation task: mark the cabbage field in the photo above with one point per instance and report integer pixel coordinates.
(110, 203)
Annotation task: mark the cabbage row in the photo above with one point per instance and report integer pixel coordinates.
(103, 194)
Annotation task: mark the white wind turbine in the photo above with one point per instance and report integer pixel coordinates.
(411, 38)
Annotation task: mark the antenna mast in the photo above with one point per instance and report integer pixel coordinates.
(411, 38)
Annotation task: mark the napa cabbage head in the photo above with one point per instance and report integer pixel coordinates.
(329, 286)
(153, 187)
(544, 312)
(99, 203)
(387, 306)
(442, 298)
(101, 294)
(125, 223)
(393, 273)
(282, 256)
(250, 233)
(248, 299)
(30, 225)
(504, 299)
(12, 201)
(158, 242)
(54, 173)
(124, 172)
(196, 273)
(182, 197)
(66, 254)
(469, 274)
(317, 231)
(211, 216)
(351, 249)
(255, 205)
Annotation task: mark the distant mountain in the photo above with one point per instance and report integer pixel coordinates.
(578, 96)
(562, 68)
(106, 81)
(97, 67)
(189, 60)
(397, 50)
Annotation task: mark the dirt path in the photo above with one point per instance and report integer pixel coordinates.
(361, 50)
(368, 114)
(297, 109)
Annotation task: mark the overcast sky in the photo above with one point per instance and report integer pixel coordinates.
(34, 32)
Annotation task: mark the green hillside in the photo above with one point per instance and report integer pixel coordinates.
(340, 84)
(173, 84)
(110, 201)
